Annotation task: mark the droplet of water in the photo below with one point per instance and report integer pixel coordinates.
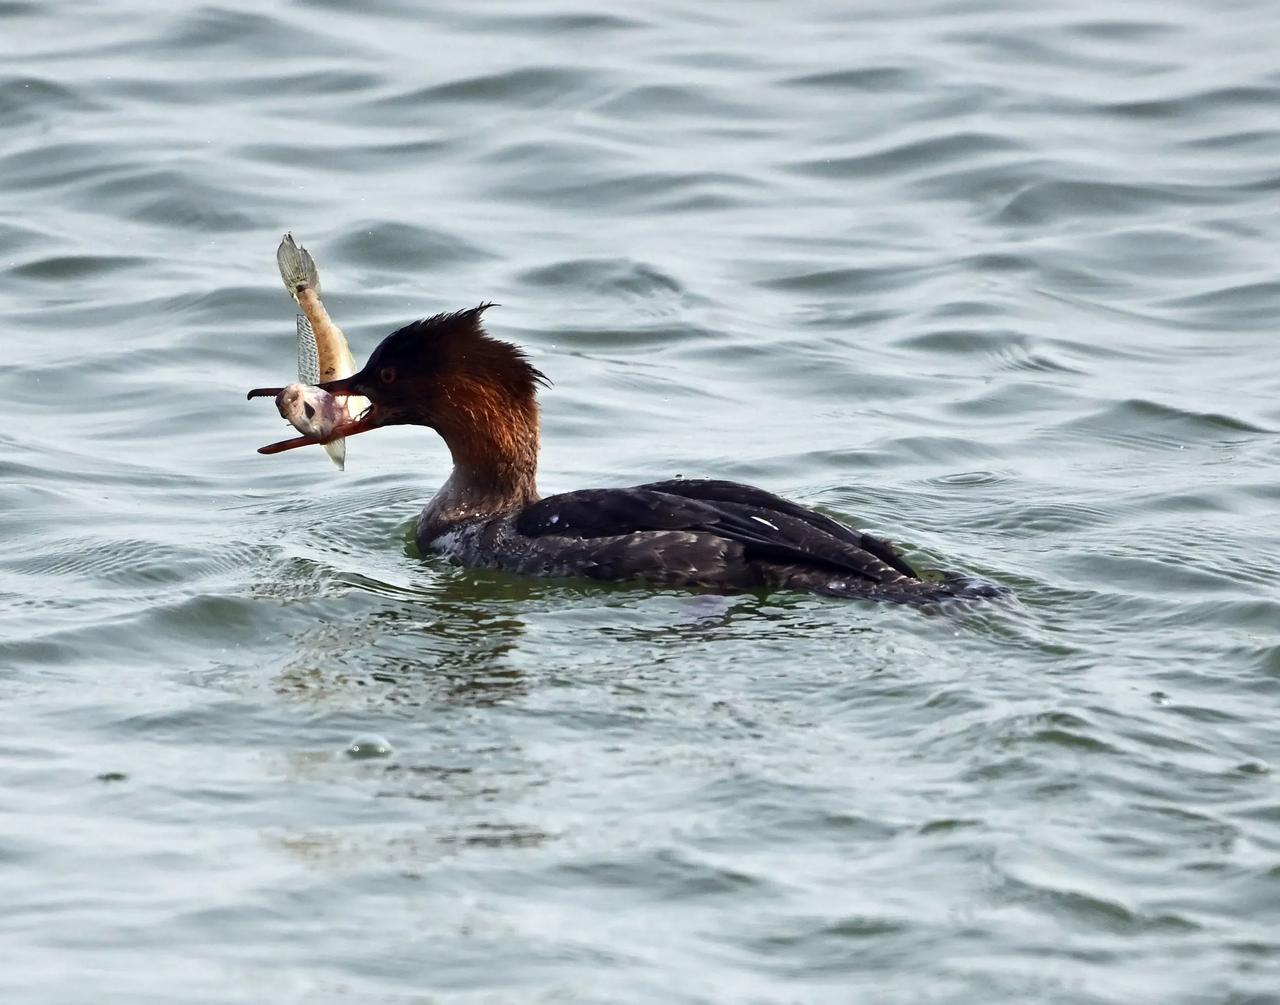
(364, 747)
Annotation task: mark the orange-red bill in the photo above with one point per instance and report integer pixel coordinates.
(282, 445)
(362, 424)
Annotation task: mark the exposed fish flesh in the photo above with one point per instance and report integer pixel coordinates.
(313, 411)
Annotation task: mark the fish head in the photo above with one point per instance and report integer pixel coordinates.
(315, 413)
(310, 410)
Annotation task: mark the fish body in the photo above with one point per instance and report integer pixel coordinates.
(323, 354)
(310, 410)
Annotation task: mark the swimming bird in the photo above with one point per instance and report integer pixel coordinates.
(480, 394)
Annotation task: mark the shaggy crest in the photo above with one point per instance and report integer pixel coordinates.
(457, 345)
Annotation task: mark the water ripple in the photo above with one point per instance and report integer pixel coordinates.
(997, 283)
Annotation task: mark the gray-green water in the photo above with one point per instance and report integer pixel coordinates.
(999, 281)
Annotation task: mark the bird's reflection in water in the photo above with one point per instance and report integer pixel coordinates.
(447, 640)
(409, 852)
(458, 636)
(423, 653)
(455, 641)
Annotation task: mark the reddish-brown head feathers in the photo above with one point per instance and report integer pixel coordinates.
(477, 392)
(452, 347)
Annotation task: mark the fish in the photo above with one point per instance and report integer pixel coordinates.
(311, 410)
(323, 354)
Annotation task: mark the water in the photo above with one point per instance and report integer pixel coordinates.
(999, 282)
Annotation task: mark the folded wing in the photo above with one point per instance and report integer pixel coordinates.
(767, 527)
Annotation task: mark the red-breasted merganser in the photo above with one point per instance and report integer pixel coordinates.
(480, 395)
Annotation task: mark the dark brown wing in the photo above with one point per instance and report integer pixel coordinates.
(713, 490)
(766, 527)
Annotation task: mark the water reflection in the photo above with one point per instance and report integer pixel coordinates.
(442, 642)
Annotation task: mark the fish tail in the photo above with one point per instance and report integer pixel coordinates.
(297, 267)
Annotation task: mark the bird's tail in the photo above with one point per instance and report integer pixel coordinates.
(950, 587)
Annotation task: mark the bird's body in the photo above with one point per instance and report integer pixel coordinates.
(480, 395)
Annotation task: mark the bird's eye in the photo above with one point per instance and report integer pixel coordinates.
(388, 374)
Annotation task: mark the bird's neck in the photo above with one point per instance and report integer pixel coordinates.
(494, 442)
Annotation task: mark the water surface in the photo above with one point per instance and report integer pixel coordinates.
(998, 283)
